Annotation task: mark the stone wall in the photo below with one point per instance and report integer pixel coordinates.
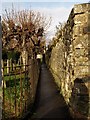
(69, 60)
(34, 72)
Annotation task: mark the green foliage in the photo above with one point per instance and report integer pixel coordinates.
(4, 55)
(14, 55)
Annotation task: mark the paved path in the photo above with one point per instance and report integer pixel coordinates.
(49, 103)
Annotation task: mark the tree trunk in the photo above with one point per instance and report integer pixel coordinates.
(24, 59)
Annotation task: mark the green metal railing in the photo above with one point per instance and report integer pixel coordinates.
(18, 89)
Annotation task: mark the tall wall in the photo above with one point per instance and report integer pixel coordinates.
(69, 61)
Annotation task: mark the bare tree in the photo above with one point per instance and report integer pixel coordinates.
(24, 30)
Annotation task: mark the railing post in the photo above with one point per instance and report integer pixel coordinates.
(21, 89)
(8, 66)
(3, 103)
(15, 91)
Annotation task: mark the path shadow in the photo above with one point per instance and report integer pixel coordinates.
(49, 103)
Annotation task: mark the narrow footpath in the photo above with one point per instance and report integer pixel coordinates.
(49, 102)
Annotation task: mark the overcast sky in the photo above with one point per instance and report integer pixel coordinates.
(59, 10)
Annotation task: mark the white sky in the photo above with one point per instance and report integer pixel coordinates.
(44, 1)
(59, 10)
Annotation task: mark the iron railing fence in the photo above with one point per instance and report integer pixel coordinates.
(19, 87)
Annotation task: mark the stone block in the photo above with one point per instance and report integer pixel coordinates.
(80, 8)
(80, 19)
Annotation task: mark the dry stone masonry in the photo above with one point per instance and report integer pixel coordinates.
(69, 61)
